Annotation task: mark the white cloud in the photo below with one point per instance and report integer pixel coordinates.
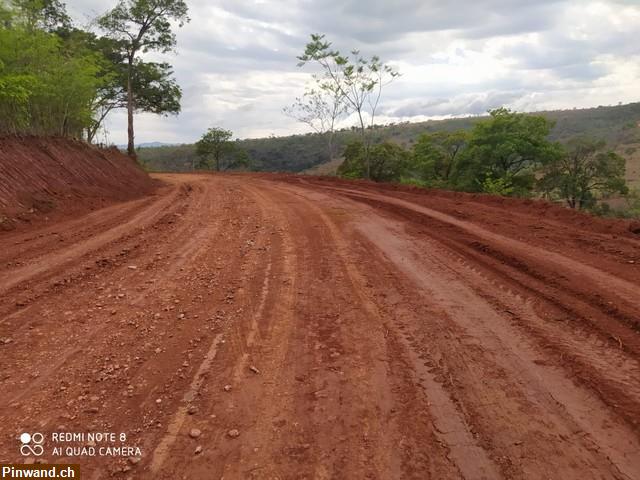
(237, 67)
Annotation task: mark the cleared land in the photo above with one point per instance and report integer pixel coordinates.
(344, 330)
(44, 179)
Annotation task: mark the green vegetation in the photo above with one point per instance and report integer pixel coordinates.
(142, 26)
(585, 171)
(354, 84)
(47, 84)
(500, 155)
(320, 108)
(56, 79)
(215, 149)
(435, 155)
(617, 125)
(504, 152)
(384, 162)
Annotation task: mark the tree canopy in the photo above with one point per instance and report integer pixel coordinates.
(507, 148)
(356, 80)
(216, 150)
(57, 79)
(142, 26)
(435, 156)
(47, 87)
(585, 168)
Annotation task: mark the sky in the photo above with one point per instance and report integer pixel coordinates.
(236, 59)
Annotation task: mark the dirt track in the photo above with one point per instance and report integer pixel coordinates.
(359, 332)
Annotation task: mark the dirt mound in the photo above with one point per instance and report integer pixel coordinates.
(450, 201)
(58, 176)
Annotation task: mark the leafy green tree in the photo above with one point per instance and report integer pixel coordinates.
(584, 171)
(213, 146)
(238, 158)
(633, 203)
(45, 15)
(45, 88)
(359, 80)
(509, 146)
(498, 186)
(141, 26)
(387, 161)
(154, 90)
(435, 156)
(6, 16)
(15, 93)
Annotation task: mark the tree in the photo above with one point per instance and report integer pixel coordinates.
(387, 161)
(46, 15)
(509, 147)
(45, 88)
(435, 156)
(141, 26)
(154, 90)
(320, 108)
(358, 79)
(213, 145)
(584, 170)
(633, 204)
(237, 158)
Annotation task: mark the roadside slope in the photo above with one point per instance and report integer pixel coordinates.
(58, 176)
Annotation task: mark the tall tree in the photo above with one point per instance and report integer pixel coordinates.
(388, 161)
(360, 80)
(435, 155)
(213, 145)
(584, 170)
(47, 15)
(320, 108)
(506, 148)
(142, 26)
(46, 88)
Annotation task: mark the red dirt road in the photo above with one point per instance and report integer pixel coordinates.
(301, 328)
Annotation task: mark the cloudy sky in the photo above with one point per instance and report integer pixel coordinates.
(236, 59)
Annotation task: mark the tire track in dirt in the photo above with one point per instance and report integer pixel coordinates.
(450, 427)
(388, 341)
(569, 409)
(614, 445)
(142, 297)
(139, 220)
(610, 284)
(566, 305)
(62, 356)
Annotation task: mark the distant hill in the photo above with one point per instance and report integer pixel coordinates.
(618, 125)
(150, 145)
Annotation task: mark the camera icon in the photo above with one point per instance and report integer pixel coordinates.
(32, 444)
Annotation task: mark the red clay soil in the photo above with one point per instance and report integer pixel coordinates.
(263, 327)
(48, 178)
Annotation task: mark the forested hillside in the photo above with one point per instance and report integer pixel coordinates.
(618, 125)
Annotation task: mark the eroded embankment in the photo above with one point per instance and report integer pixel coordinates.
(45, 177)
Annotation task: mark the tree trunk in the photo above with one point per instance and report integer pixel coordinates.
(365, 142)
(131, 149)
